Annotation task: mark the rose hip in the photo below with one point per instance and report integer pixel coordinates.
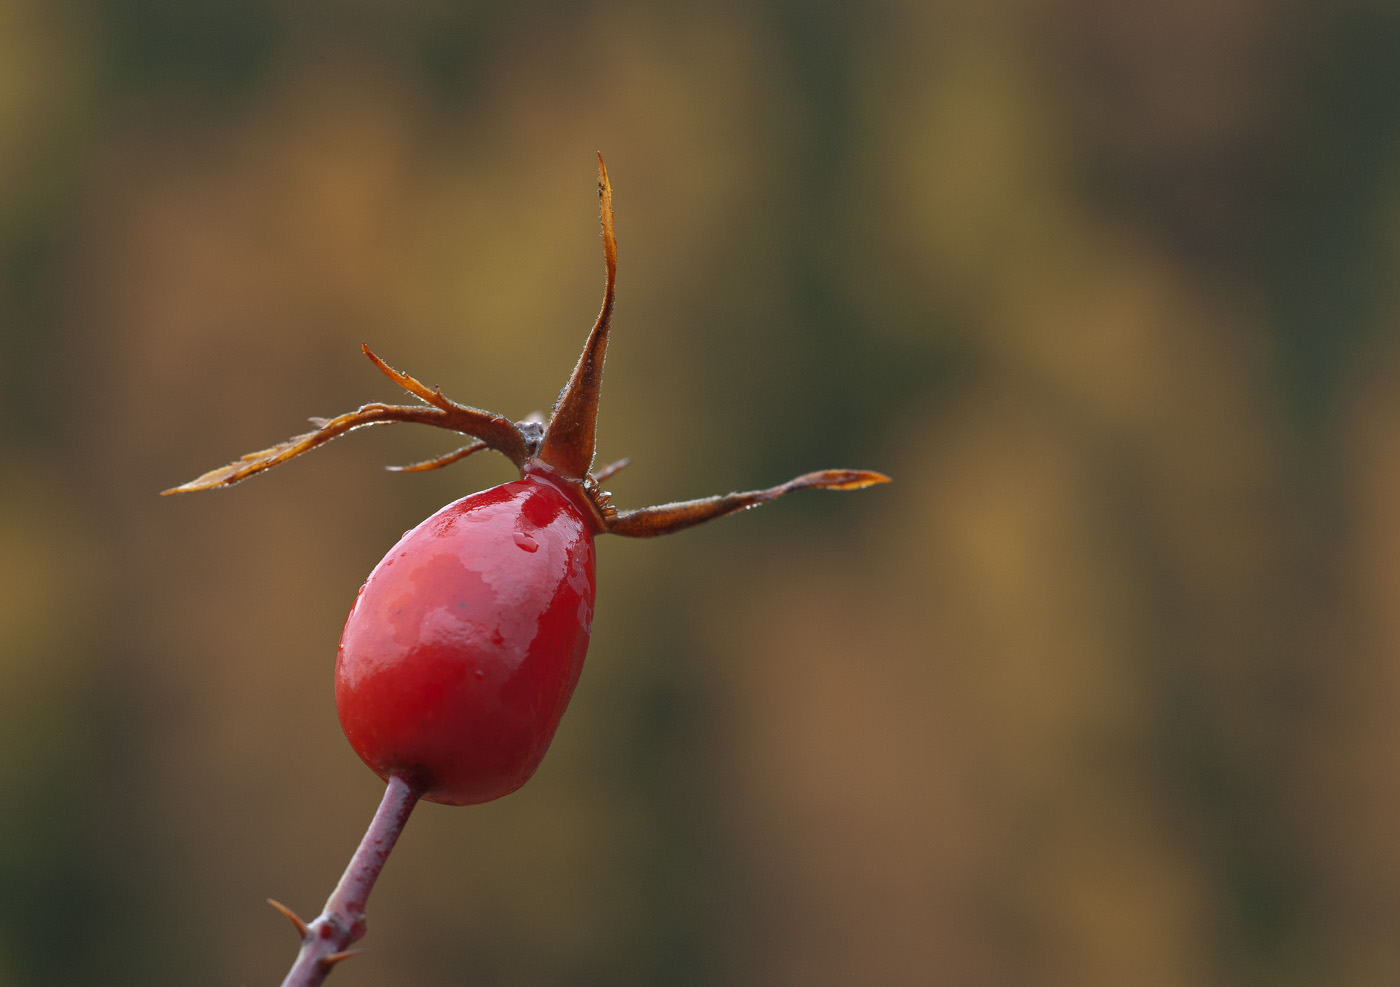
(465, 643)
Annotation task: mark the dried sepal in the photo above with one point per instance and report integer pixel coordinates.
(496, 431)
(408, 382)
(265, 459)
(562, 446)
(570, 437)
(648, 522)
(440, 461)
(611, 468)
(492, 431)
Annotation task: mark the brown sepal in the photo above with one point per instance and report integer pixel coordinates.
(493, 431)
(648, 522)
(570, 436)
(440, 461)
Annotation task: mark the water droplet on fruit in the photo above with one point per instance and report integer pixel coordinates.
(526, 542)
(480, 674)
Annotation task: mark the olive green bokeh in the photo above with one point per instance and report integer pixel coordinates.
(1100, 691)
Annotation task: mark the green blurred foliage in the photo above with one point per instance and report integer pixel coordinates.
(1101, 691)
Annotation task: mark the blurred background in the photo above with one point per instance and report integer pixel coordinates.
(1103, 690)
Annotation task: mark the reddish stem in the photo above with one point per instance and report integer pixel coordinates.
(342, 921)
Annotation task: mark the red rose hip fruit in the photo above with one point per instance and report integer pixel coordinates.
(465, 643)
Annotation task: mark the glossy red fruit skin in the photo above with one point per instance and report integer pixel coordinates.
(465, 643)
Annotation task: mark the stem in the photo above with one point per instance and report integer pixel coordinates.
(342, 921)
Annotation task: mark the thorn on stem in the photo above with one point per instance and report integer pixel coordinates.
(295, 918)
(332, 959)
